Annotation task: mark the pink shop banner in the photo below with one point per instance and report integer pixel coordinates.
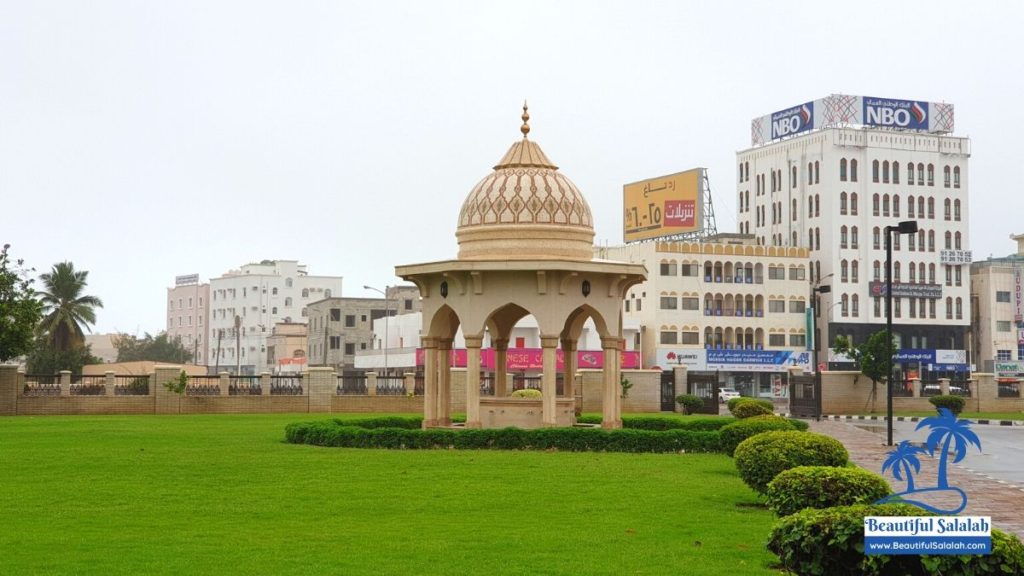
(533, 359)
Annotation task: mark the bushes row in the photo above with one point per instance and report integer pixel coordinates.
(823, 487)
(750, 407)
(740, 430)
(954, 404)
(343, 434)
(763, 456)
(663, 422)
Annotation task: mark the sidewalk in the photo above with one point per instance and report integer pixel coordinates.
(985, 497)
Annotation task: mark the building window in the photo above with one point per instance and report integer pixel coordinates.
(956, 210)
(931, 240)
(335, 342)
(910, 174)
(853, 203)
(920, 174)
(896, 271)
(874, 171)
(817, 205)
(876, 237)
(776, 273)
(931, 208)
(669, 337)
(949, 240)
(842, 204)
(931, 273)
(776, 339)
(844, 268)
(913, 307)
(855, 271)
(843, 237)
(669, 303)
(897, 308)
(949, 307)
(853, 170)
(273, 291)
(885, 172)
(947, 212)
(777, 306)
(817, 172)
(797, 340)
(288, 301)
(895, 172)
(1003, 325)
(878, 307)
(911, 242)
(797, 273)
(1003, 355)
(910, 206)
(958, 275)
(856, 306)
(335, 314)
(668, 268)
(874, 205)
(844, 305)
(797, 306)
(273, 310)
(959, 308)
(877, 270)
(350, 348)
(931, 175)
(408, 303)
(956, 177)
(690, 303)
(956, 241)
(1003, 296)
(945, 176)
(350, 320)
(691, 338)
(854, 240)
(885, 205)
(842, 169)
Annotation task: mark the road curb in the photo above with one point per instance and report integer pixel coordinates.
(851, 418)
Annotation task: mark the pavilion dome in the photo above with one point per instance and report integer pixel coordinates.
(525, 210)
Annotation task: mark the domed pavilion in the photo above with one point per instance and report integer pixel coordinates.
(525, 237)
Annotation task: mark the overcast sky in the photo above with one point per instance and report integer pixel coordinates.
(144, 140)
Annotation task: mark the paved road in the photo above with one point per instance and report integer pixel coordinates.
(1002, 448)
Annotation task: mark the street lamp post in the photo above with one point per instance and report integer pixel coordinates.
(907, 227)
(387, 318)
(816, 344)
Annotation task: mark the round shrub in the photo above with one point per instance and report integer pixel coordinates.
(734, 401)
(761, 457)
(749, 407)
(831, 541)
(732, 434)
(954, 404)
(527, 393)
(690, 402)
(799, 424)
(823, 487)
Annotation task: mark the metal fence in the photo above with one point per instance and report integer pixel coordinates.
(902, 389)
(131, 385)
(41, 385)
(351, 384)
(1008, 389)
(486, 385)
(286, 385)
(203, 386)
(390, 386)
(244, 386)
(960, 388)
(930, 388)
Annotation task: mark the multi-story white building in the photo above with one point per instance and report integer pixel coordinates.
(729, 307)
(997, 302)
(830, 175)
(188, 316)
(252, 300)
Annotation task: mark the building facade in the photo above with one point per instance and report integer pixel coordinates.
(997, 328)
(245, 304)
(286, 348)
(730, 307)
(341, 327)
(188, 316)
(834, 185)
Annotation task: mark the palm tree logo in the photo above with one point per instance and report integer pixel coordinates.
(946, 433)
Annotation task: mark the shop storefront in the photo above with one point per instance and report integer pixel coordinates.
(754, 373)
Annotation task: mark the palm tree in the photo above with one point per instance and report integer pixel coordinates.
(902, 459)
(945, 428)
(66, 309)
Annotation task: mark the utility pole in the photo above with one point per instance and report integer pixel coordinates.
(238, 345)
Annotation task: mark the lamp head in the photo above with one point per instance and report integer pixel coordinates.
(824, 289)
(907, 227)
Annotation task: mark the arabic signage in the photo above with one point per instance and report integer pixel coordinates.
(663, 206)
(186, 280)
(1009, 368)
(705, 360)
(955, 256)
(517, 359)
(844, 110)
(931, 356)
(901, 290)
(1018, 316)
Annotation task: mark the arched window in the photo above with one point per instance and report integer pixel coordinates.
(842, 203)
(844, 306)
(885, 172)
(854, 241)
(946, 211)
(896, 205)
(931, 208)
(853, 170)
(931, 174)
(945, 176)
(303, 311)
(956, 177)
(959, 308)
(876, 270)
(885, 205)
(920, 206)
(773, 180)
(912, 272)
(878, 306)
(844, 271)
(896, 271)
(810, 239)
(910, 174)
(895, 172)
(931, 240)
(305, 292)
(874, 204)
(794, 211)
(792, 178)
(856, 306)
(921, 272)
(794, 238)
(874, 171)
(931, 273)
(746, 170)
(273, 310)
(817, 205)
(746, 199)
(810, 173)
(956, 210)
(817, 172)
(910, 206)
(842, 237)
(949, 240)
(842, 169)
(912, 241)
(854, 272)
(273, 291)
(853, 203)
(920, 174)
(741, 202)
(817, 238)
(876, 238)
(949, 308)
(287, 282)
(956, 241)
(920, 240)
(810, 206)
(288, 301)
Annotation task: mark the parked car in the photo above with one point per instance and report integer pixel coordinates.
(726, 394)
(935, 389)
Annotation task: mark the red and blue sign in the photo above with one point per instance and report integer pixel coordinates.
(892, 113)
(793, 120)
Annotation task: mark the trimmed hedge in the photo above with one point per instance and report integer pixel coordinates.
(823, 487)
(748, 407)
(734, 401)
(740, 430)
(954, 404)
(690, 402)
(528, 393)
(663, 422)
(831, 541)
(407, 422)
(762, 457)
(343, 434)
(799, 424)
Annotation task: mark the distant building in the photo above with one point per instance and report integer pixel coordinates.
(997, 301)
(341, 327)
(188, 315)
(245, 304)
(286, 348)
(102, 346)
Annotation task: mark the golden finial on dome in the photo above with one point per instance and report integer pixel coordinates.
(525, 128)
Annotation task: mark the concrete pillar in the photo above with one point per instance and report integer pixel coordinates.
(985, 388)
(473, 344)
(371, 383)
(915, 387)
(410, 382)
(549, 347)
(611, 405)
(65, 382)
(679, 385)
(321, 387)
(429, 382)
(943, 386)
(444, 382)
(501, 377)
(568, 367)
(165, 401)
(225, 383)
(9, 390)
(265, 383)
(109, 382)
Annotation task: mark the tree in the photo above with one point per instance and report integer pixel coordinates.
(66, 308)
(160, 348)
(873, 357)
(45, 359)
(19, 310)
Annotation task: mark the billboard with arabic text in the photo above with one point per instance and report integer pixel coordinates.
(663, 206)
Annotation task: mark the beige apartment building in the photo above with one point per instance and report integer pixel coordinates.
(997, 326)
(188, 315)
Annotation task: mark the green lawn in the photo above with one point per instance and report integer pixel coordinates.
(225, 495)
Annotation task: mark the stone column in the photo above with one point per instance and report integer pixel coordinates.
(915, 387)
(429, 382)
(225, 383)
(444, 382)
(611, 406)
(500, 367)
(679, 385)
(410, 382)
(549, 347)
(321, 387)
(473, 344)
(109, 382)
(371, 383)
(569, 367)
(943, 386)
(65, 382)
(9, 390)
(165, 401)
(986, 391)
(265, 383)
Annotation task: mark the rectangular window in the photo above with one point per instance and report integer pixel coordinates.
(668, 268)
(350, 348)
(688, 269)
(627, 305)
(776, 273)
(669, 338)
(350, 320)
(1002, 325)
(335, 342)
(796, 306)
(797, 340)
(408, 304)
(335, 314)
(1002, 296)
(1003, 355)
(691, 303)
(692, 338)
(776, 339)
(669, 303)
(776, 305)
(959, 279)
(797, 274)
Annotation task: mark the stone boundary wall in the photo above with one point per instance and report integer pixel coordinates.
(851, 393)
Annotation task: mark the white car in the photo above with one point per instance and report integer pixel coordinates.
(726, 394)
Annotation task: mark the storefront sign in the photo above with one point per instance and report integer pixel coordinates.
(901, 290)
(518, 359)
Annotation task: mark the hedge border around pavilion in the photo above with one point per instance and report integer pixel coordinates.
(404, 433)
